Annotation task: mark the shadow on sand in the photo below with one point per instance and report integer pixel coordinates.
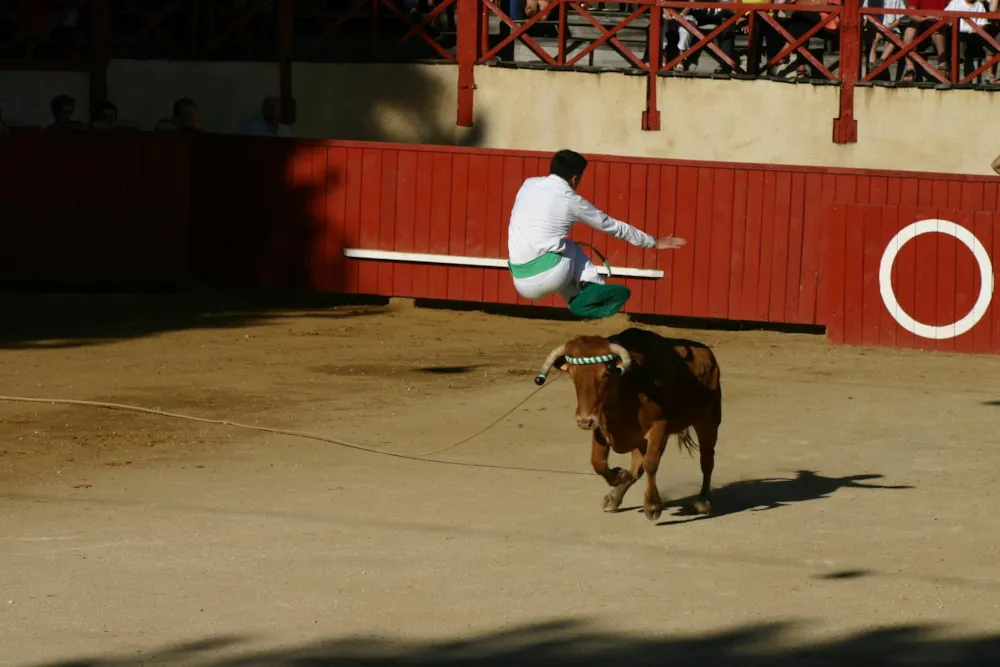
(756, 495)
(568, 642)
(74, 320)
(765, 494)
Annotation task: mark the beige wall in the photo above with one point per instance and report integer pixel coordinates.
(702, 119)
(25, 96)
(953, 131)
(407, 103)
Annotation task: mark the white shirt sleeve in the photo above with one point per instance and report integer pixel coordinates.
(587, 213)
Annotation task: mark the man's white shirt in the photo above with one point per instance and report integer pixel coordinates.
(260, 128)
(544, 210)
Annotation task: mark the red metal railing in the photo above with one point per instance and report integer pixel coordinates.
(558, 11)
(191, 29)
(754, 20)
(45, 36)
(577, 35)
(951, 27)
(374, 30)
(749, 19)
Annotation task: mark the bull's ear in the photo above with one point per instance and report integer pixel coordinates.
(637, 360)
(561, 364)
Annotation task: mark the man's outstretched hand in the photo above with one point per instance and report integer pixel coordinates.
(669, 243)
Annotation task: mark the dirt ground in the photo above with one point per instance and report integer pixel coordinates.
(856, 503)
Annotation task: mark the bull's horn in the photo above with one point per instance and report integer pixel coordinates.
(622, 354)
(547, 366)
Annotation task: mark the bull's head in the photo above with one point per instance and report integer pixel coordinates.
(595, 365)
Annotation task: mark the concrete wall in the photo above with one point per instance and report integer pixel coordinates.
(25, 96)
(228, 95)
(405, 103)
(702, 119)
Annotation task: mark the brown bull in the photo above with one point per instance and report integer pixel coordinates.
(636, 389)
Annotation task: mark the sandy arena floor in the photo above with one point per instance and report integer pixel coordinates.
(856, 492)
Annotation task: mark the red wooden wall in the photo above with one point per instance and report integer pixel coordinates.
(766, 243)
(93, 209)
(755, 233)
(935, 278)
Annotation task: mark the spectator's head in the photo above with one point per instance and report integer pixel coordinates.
(568, 165)
(104, 115)
(63, 107)
(270, 108)
(185, 113)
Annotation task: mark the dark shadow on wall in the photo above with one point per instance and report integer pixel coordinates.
(143, 212)
(577, 643)
(393, 102)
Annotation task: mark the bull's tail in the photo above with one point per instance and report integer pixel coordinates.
(686, 442)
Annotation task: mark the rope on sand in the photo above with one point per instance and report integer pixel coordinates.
(423, 458)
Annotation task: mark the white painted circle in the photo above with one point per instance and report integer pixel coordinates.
(985, 274)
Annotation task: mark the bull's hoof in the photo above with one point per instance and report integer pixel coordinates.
(612, 502)
(653, 512)
(703, 506)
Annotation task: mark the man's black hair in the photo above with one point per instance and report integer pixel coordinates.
(60, 101)
(567, 164)
(182, 102)
(102, 107)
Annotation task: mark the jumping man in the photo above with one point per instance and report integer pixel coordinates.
(544, 261)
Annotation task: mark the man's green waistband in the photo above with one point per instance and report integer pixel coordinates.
(536, 266)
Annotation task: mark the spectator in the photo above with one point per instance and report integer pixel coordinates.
(764, 40)
(893, 22)
(532, 7)
(975, 45)
(269, 124)
(184, 118)
(799, 23)
(675, 40)
(63, 107)
(912, 24)
(424, 7)
(685, 38)
(104, 117)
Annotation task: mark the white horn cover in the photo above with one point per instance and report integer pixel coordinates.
(547, 366)
(622, 354)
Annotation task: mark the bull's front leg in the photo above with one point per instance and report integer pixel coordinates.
(614, 499)
(599, 460)
(656, 440)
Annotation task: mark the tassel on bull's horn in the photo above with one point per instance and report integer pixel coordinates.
(622, 354)
(547, 366)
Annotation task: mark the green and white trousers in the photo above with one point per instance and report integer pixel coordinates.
(555, 273)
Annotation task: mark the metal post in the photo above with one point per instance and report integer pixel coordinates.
(285, 40)
(651, 116)
(100, 33)
(845, 127)
(466, 50)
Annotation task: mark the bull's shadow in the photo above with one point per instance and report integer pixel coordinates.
(771, 493)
